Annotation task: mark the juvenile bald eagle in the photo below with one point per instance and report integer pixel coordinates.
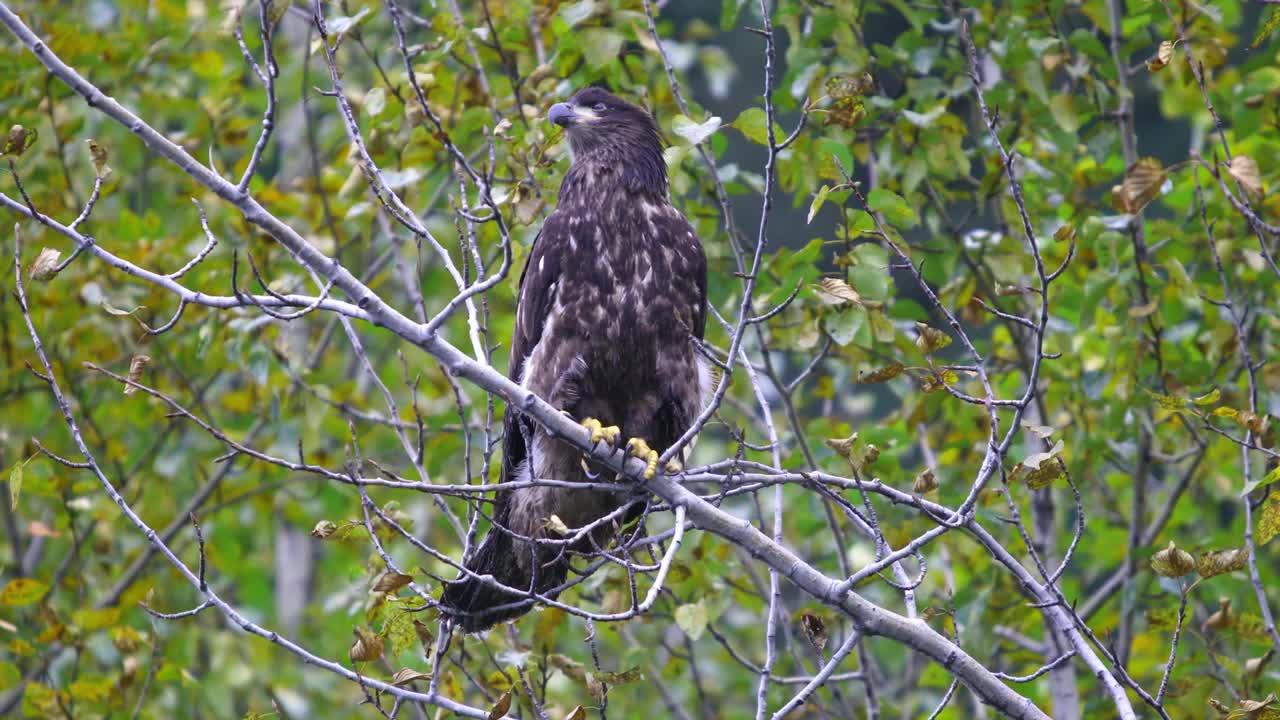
(611, 301)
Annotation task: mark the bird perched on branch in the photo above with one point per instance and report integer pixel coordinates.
(612, 303)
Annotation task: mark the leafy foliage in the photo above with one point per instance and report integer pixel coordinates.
(1129, 271)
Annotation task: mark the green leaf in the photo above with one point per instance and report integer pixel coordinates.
(600, 46)
(893, 207)
(752, 124)
(692, 131)
(375, 101)
(342, 23)
(839, 150)
(575, 13)
(15, 484)
(844, 326)
(692, 619)
(22, 591)
(1268, 27)
(90, 619)
(818, 200)
(729, 10)
(1267, 479)
(1063, 109)
(1208, 398)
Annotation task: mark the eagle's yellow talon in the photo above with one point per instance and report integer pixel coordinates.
(674, 466)
(600, 431)
(637, 447)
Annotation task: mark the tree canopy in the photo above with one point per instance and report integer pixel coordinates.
(993, 311)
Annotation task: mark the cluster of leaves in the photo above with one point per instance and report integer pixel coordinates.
(1141, 383)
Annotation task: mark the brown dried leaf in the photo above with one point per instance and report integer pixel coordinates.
(1222, 619)
(324, 529)
(408, 676)
(1254, 706)
(1172, 562)
(1163, 55)
(838, 292)
(1141, 184)
(45, 266)
(1253, 666)
(18, 141)
(557, 526)
(367, 647)
(501, 707)
(425, 637)
(577, 714)
(815, 629)
(842, 446)
(136, 366)
(391, 582)
(1245, 171)
(925, 482)
(99, 155)
(870, 456)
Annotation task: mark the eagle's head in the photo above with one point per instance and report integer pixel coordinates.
(610, 133)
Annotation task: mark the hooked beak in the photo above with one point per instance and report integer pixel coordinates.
(561, 114)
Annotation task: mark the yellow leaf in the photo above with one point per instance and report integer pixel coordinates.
(879, 375)
(1142, 311)
(931, 339)
(22, 591)
(1269, 519)
(1218, 562)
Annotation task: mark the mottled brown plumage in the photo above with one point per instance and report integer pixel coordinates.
(611, 301)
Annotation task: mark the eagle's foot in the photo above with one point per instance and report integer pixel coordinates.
(637, 447)
(600, 431)
(674, 467)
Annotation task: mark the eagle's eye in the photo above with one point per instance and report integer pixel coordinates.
(598, 107)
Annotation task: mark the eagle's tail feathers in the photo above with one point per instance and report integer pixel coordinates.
(477, 605)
